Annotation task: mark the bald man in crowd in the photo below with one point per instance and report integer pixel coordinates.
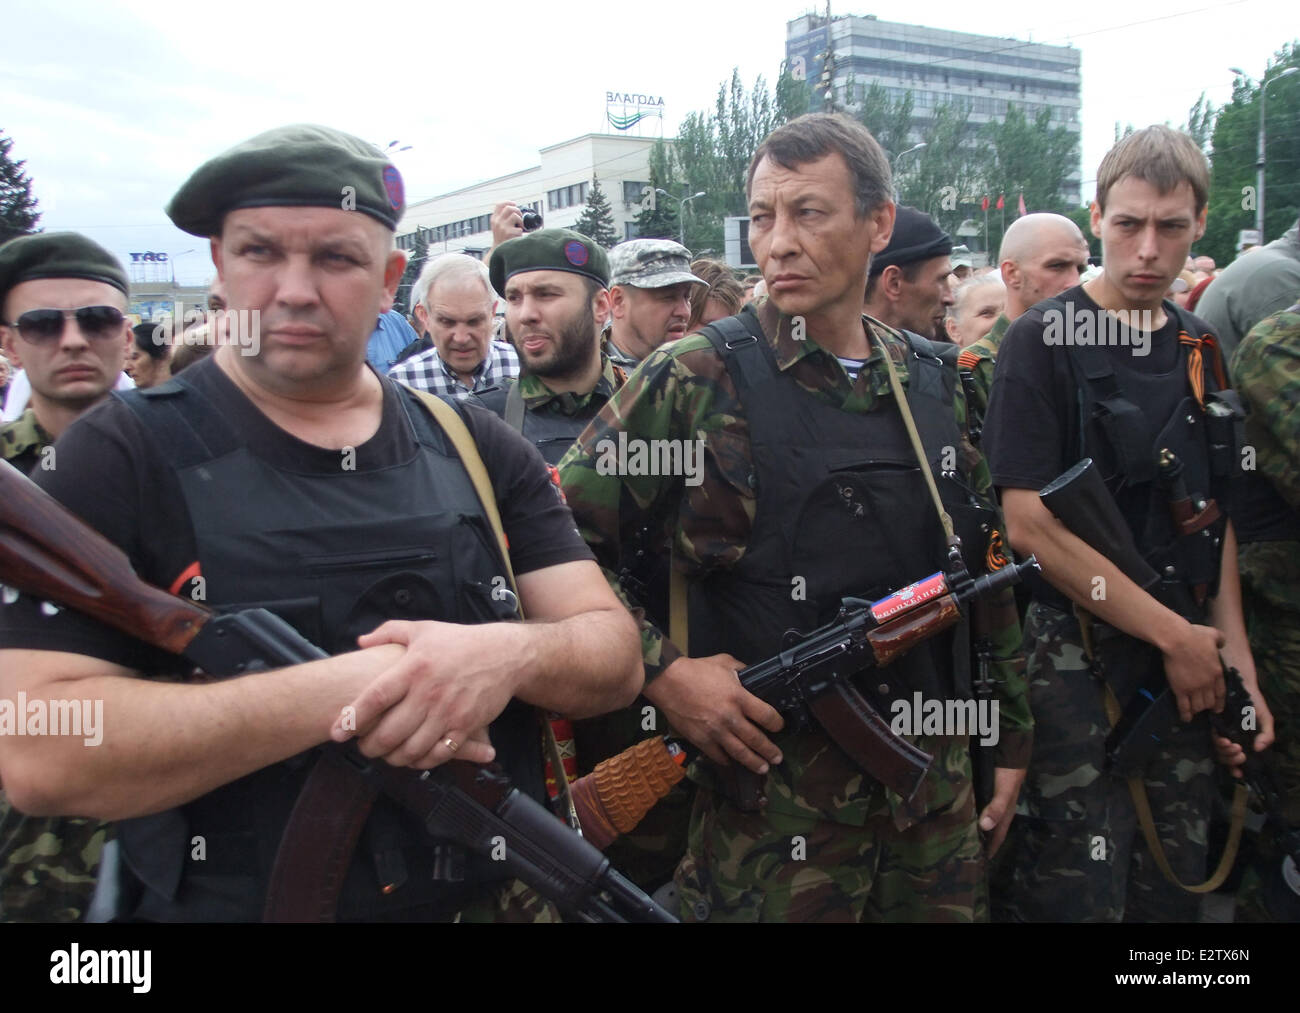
(1041, 256)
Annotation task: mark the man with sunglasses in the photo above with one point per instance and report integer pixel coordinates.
(62, 302)
(64, 322)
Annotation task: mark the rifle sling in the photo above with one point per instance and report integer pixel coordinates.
(1142, 804)
(918, 448)
(316, 849)
(326, 821)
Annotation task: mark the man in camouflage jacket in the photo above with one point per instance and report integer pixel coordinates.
(831, 844)
(1266, 368)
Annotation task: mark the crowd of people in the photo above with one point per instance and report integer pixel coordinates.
(686, 470)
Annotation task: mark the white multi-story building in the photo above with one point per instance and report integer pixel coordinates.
(558, 187)
(938, 66)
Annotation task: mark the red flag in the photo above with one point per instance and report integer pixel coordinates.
(1001, 203)
(1022, 204)
(984, 205)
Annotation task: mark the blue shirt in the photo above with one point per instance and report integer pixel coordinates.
(389, 338)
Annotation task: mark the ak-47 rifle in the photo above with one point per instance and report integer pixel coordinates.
(809, 684)
(1081, 501)
(49, 553)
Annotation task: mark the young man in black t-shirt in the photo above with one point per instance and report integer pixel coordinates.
(1075, 851)
(287, 473)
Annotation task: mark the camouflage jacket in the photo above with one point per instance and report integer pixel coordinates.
(538, 397)
(980, 357)
(47, 864)
(22, 440)
(1266, 369)
(683, 391)
(616, 354)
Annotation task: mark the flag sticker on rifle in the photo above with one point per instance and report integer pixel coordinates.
(909, 597)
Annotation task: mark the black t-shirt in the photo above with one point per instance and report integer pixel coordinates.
(1035, 427)
(1032, 428)
(110, 473)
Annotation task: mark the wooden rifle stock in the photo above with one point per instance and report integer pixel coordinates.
(50, 553)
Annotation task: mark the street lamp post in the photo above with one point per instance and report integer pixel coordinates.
(895, 159)
(681, 210)
(1260, 146)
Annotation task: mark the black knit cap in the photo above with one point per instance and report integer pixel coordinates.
(916, 237)
(302, 165)
(57, 255)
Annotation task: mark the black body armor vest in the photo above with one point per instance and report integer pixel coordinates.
(334, 556)
(1126, 417)
(550, 432)
(842, 509)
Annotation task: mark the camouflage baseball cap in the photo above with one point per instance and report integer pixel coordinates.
(961, 257)
(303, 165)
(651, 263)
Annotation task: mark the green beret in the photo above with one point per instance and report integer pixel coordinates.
(57, 255)
(297, 166)
(548, 250)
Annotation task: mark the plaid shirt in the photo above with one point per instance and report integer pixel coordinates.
(427, 371)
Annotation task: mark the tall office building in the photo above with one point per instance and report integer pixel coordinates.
(938, 66)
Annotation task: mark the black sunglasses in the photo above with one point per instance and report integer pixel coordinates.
(39, 326)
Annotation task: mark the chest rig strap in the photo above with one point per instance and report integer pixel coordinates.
(451, 424)
(1123, 421)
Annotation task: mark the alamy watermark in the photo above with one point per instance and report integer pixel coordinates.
(230, 327)
(919, 716)
(75, 966)
(635, 457)
(1079, 325)
(83, 718)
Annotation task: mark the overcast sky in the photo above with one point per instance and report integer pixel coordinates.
(113, 104)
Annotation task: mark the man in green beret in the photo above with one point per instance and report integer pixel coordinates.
(63, 301)
(555, 283)
(64, 322)
(289, 473)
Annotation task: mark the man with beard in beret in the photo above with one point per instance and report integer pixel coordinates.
(555, 283)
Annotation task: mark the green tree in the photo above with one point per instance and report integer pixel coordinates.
(1029, 157)
(657, 218)
(945, 178)
(1082, 217)
(790, 98)
(1200, 123)
(1233, 145)
(712, 157)
(419, 254)
(889, 120)
(18, 210)
(597, 221)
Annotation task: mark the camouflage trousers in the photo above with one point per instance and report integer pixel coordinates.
(773, 867)
(1275, 644)
(511, 903)
(1075, 851)
(48, 865)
